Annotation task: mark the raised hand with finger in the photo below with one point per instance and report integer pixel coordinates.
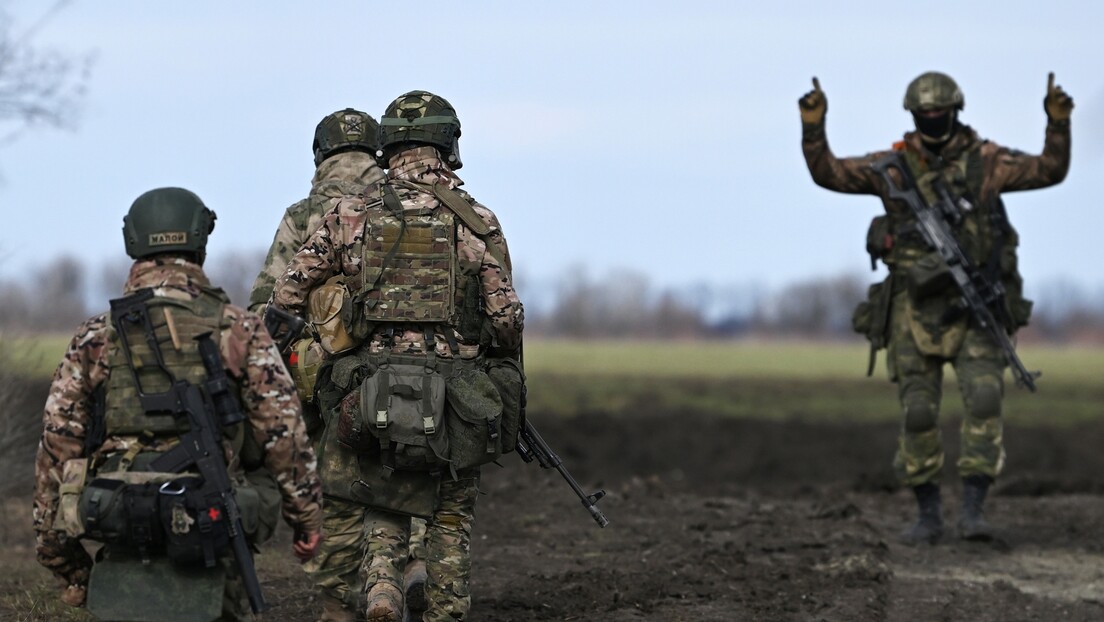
(813, 105)
(1058, 104)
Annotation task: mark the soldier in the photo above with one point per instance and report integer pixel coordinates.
(344, 147)
(423, 282)
(922, 324)
(99, 433)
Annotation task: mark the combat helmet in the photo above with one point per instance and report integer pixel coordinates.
(345, 130)
(931, 91)
(167, 220)
(420, 117)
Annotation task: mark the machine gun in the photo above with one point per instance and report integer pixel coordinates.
(979, 294)
(531, 446)
(206, 410)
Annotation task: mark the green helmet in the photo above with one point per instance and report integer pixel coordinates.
(420, 117)
(345, 130)
(167, 220)
(931, 91)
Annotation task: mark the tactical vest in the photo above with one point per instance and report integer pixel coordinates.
(176, 323)
(410, 272)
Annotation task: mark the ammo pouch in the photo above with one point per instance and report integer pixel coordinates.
(398, 413)
(509, 378)
(929, 276)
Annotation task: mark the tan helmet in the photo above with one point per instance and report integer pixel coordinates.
(931, 91)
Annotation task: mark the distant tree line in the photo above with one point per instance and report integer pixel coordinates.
(621, 304)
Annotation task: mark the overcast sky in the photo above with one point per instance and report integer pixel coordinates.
(659, 136)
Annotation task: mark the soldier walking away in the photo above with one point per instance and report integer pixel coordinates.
(921, 313)
(173, 436)
(344, 148)
(409, 287)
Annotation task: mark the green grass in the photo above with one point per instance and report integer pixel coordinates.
(33, 356)
(779, 380)
(767, 379)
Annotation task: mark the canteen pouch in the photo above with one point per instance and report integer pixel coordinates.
(475, 418)
(328, 309)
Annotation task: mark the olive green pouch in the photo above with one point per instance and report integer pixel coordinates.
(475, 418)
(509, 379)
(400, 414)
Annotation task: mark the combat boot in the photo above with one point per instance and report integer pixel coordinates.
(384, 603)
(971, 522)
(414, 580)
(929, 526)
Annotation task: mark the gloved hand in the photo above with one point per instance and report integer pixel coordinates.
(1058, 104)
(813, 105)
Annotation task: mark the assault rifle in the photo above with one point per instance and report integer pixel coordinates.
(207, 409)
(980, 294)
(531, 446)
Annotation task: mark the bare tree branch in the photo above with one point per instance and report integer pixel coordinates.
(38, 86)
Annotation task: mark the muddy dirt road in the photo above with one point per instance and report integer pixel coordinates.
(724, 520)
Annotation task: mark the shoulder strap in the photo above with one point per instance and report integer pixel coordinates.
(457, 205)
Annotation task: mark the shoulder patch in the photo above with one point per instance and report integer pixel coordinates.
(900, 145)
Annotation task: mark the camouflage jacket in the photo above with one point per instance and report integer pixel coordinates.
(331, 251)
(986, 167)
(350, 172)
(251, 360)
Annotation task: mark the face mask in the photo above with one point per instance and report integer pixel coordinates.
(935, 129)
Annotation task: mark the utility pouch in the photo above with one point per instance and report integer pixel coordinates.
(929, 276)
(509, 379)
(329, 311)
(196, 528)
(398, 413)
(73, 475)
(871, 318)
(475, 417)
(116, 512)
(304, 362)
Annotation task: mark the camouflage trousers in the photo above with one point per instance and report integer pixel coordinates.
(979, 365)
(347, 550)
(447, 548)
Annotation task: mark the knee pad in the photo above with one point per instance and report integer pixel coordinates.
(921, 414)
(985, 398)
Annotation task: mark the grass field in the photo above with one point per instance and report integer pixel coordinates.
(770, 379)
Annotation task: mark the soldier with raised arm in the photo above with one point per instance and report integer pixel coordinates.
(916, 312)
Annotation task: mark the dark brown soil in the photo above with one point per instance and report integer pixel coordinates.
(714, 519)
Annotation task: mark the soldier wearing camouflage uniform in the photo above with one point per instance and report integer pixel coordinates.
(344, 149)
(419, 133)
(924, 329)
(93, 424)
